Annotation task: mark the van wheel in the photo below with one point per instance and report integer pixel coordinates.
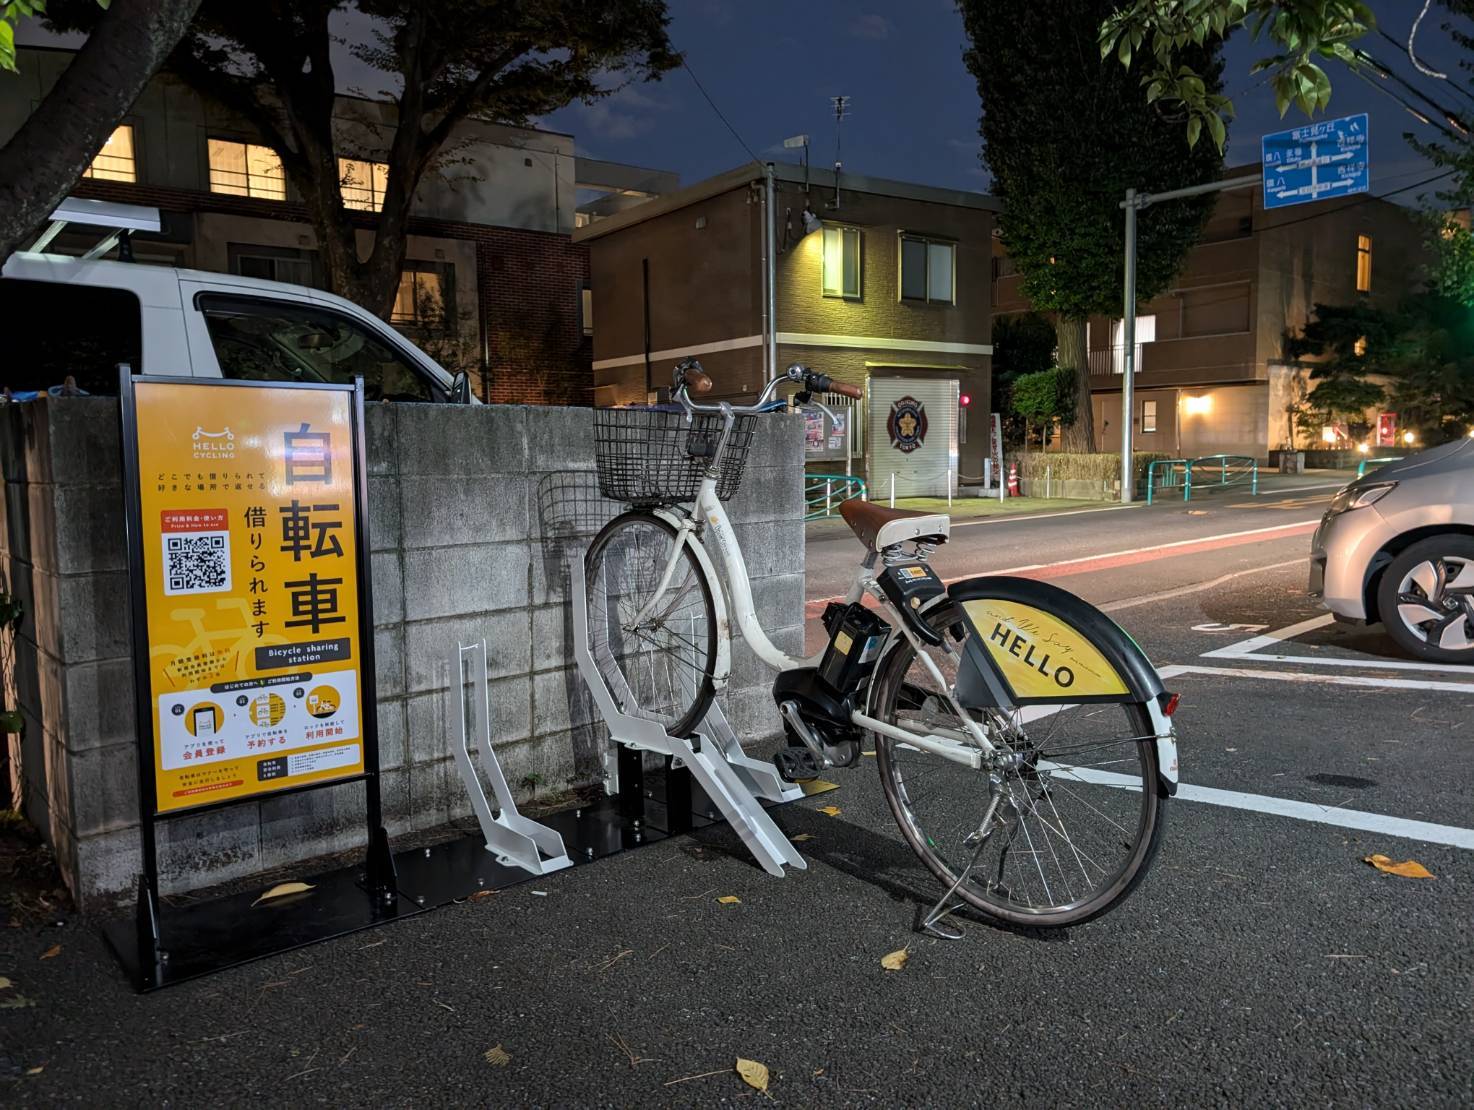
(1426, 599)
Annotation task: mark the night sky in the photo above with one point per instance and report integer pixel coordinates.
(771, 67)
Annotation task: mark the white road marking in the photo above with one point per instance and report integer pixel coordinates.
(1004, 518)
(1154, 547)
(1183, 591)
(1267, 639)
(1374, 681)
(1250, 650)
(1362, 821)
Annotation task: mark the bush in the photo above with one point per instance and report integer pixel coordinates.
(1066, 467)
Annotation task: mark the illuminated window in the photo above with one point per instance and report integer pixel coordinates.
(842, 262)
(363, 184)
(246, 170)
(1363, 263)
(1148, 416)
(421, 299)
(586, 306)
(927, 270)
(114, 162)
(1359, 348)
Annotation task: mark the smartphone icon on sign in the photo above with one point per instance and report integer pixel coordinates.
(204, 720)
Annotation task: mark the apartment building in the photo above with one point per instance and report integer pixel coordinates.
(493, 283)
(883, 284)
(1212, 374)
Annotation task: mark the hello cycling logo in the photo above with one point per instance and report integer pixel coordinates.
(213, 445)
(906, 424)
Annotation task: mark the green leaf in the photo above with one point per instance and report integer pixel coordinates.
(7, 46)
(1124, 51)
(1194, 129)
(1217, 130)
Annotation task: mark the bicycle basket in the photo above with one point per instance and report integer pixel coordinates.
(651, 456)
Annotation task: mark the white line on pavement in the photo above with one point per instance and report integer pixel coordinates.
(1183, 591)
(1360, 820)
(1006, 519)
(1254, 643)
(1154, 547)
(1375, 682)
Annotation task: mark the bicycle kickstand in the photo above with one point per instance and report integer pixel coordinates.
(933, 923)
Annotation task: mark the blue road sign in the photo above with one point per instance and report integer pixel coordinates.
(1315, 162)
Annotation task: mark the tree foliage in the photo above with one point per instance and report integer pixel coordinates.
(1022, 344)
(1301, 34)
(1043, 397)
(1065, 134)
(504, 61)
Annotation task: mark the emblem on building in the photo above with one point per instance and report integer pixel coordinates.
(907, 424)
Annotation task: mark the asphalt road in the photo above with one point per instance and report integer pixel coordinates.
(1262, 961)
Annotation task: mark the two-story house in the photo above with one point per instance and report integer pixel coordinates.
(1212, 374)
(883, 284)
(492, 284)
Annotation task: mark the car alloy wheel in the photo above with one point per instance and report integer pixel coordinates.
(1435, 602)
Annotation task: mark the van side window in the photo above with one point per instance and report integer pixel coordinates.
(53, 329)
(259, 339)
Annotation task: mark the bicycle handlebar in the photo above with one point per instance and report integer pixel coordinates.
(690, 377)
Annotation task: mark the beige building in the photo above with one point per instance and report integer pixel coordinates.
(883, 284)
(1212, 375)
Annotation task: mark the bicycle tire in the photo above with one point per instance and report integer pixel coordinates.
(687, 706)
(890, 683)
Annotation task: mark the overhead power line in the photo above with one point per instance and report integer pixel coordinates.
(720, 115)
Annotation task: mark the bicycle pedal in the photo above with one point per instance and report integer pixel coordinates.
(798, 764)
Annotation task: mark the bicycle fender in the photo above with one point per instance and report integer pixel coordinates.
(1033, 643)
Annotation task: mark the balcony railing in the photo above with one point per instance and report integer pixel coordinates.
(1111, 360)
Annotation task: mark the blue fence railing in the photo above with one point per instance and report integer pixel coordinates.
(1206, 473)
(1361, 467)
(824, 492)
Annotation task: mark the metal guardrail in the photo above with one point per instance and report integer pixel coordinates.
(1361, 467)
(824, 492)
(1232, 470)
(1176, 471)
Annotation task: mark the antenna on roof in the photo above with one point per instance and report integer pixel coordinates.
(841, 107)
(795, 143)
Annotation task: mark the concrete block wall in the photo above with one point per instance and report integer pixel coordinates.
(475, 517)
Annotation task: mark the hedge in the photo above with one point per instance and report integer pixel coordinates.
(1063, 466)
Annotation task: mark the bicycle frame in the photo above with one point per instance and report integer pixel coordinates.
(710, 516)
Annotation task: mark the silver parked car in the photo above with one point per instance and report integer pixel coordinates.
(1397, 546)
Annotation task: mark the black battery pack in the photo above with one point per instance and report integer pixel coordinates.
(856, 637)
(909, 586)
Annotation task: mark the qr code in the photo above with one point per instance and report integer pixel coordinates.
(196, 562)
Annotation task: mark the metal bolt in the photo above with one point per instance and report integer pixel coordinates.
(419, 899)
(589, 852)
(427, 853)
(637, 822)
(578, 813)
(480, 881)
(637, 838)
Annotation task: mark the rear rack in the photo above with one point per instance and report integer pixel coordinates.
(120, 220)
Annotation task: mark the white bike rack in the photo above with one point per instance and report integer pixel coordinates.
(516, 841)
(733, 780)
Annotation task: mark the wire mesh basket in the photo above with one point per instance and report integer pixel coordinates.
(656, 456)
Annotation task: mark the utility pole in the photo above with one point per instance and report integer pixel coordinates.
(770, 250)
(1133, 203)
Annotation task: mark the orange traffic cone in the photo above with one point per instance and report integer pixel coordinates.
(1013, 479)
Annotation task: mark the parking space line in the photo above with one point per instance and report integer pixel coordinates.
(1195, 588)
(1360, 820)
(1374, 681)
(1268, 639)
(1250, 650)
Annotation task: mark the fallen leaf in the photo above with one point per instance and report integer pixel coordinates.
(16, 1001)
(1408, 868)
(281, 890)
(830, 811)
(801, 837)
(497, 1056)
(894, 961)
(755, 1075)
(481, 896)
(730, 900)
(37, 1070)
(52, 952)
(5, 984)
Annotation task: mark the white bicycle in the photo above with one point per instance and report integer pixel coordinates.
(1024, 741)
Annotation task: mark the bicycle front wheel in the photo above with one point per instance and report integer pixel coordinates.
(1079, 815)
(655, 648)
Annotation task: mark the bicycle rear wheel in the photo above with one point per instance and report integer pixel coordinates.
(658, 666)
(1079, 815)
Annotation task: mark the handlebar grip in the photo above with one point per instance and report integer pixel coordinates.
(844, 389)
(697, 381)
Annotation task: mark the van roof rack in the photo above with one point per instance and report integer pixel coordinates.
(120, 219)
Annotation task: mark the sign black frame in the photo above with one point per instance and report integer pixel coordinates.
(166, 945)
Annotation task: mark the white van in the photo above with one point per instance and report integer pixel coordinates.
(81, 317)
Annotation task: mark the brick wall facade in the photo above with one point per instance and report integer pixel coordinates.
(528, 291)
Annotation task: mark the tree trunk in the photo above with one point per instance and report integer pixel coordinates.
(44, 160)
(1069, 335)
